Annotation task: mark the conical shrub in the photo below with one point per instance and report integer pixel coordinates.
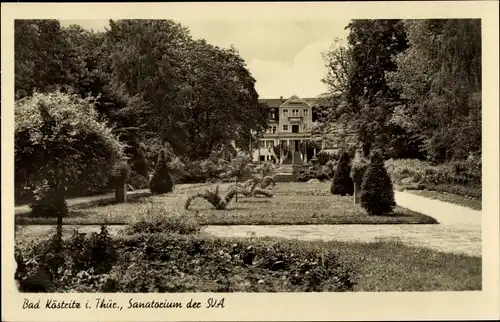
(377, 192)
(342, 183)
(161, 181)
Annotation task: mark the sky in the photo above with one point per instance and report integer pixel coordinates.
(284, 56)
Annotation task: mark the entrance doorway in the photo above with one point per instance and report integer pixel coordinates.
(295, 128)
(297, 145)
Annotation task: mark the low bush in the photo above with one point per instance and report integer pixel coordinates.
(458, 177)
(323, 157)
(161, 181)
(197, 263)
(52, 264)
(318, 172)
(138, 181)
(218, 201)
(154, 220)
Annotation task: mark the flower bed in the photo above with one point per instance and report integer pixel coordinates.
(177, 263)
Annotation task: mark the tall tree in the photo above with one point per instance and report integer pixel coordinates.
(340, 66)
(369, 100)
(439, 77)
(44, 60)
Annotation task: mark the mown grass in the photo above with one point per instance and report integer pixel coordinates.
(394, 267)
(293, 204)
(448, 197)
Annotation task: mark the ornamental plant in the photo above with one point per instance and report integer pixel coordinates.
(60, 141)
(161, 181)
(377, 191)
(342, 183)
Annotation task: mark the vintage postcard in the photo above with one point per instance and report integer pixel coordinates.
(250, 161)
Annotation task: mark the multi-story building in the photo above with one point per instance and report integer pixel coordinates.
(290, 124)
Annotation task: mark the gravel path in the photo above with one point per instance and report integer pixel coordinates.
(445, 213)
(458, 231)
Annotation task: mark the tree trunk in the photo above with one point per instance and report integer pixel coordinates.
(120, 190)
(236, 195)
(356, 194)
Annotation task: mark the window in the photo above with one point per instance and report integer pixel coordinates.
(285, 127)
(273, 115)
(305, 127)
(285, 113)
(295, 112)
(274, 129)
(306, 112)
(263, 144)
(270, 144)
(262, 158)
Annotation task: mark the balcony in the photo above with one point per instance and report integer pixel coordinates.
(284, 135)
(295, 118)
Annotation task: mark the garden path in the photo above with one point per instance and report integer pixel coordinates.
(458, 231)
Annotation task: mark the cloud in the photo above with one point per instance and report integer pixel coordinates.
(302, 77)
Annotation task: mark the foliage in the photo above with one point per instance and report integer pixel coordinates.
(315, 172)
(153, 220)
(218, 202)
(339, 62)
(260, 181)
(323, 157)
(342, 183)
(161, 181)
(199, 263)
(138, 181)
(61, 142)
(254, 187)
(358, 168)
(266, 169)
(239, 165)
(458, 172)
(377, 192)
(459, 177)
(439, 77)
(53, 264)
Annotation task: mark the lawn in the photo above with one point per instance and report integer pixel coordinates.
(451, 198)
(292, 204)
(166, 262)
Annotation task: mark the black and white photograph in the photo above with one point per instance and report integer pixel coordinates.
(288, 155)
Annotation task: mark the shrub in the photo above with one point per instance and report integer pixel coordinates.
(459, 177)
(217, 201)
(358, 168)
(377, 192)
(323, 157)
(197, 263)
(60, 142)
(155, 220)
(264, 170)
(161, 182)
(138, 181)
(305, 174)
(342, 183)
(52, 264)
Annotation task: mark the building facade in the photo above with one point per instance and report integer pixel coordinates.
(290, 124)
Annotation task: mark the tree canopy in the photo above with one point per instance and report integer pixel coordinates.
(411, 87)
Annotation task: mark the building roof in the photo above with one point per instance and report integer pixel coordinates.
(276, 102)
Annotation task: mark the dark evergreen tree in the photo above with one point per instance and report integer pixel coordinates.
(161, 181)
(342, 183)
(377, 192)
